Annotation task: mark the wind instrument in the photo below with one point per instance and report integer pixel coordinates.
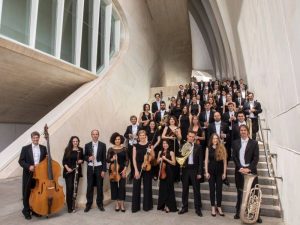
(76, 181)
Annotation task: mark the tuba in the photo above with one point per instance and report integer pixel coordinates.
(251, 200)
(185, 152)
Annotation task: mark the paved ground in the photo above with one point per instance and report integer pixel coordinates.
(11, 205)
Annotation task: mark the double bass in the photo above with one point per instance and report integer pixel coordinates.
(47, 197)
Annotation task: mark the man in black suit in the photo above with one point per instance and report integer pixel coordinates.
(95, 155)
(205, 118)
(156, 104)
(236, 126)
(252, 109)
(159, 115)
(239, 101)
(245, 157)
(31, 156)
(192, 173)
(131, 136)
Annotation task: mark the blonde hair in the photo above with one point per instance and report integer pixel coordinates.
(221, 153)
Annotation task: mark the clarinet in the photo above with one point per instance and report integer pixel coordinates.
(76, 179)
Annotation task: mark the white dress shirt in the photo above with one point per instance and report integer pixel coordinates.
(162, 113)
(243, 151)
(251, 115)
(224, 100)
(95, 149)
(133, 141)
(191, 156)
(242, 123)
(158, 104)
(36, 154)
(207, 115)
(218, 128)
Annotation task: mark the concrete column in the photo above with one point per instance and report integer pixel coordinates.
(33, 22)
(107, 33)
(78, 31)
(58, 27)
(94, 41)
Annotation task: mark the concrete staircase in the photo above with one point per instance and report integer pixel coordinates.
(270, 200)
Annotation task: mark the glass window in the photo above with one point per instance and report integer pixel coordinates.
(15, 20)
(87, 34)
(45, 33)
(112, 37)
(68, 34)
(100, 50)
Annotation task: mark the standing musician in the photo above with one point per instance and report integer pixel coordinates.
(159, 115)
(156, 104)
(215, 171)
(184, 122)
(173, 133)
(218, 127)
(118, 158)
(142, 156)
(252, 109)
(200, 134)
(95, 155)
(31, 155)
(131, 136)
(145, 117)
(206, 117)
(73, 157)
(154, 139)
(236, 127)
(166, 196)
(245, 157)
(192, 173)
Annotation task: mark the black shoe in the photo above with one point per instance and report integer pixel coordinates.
(182, 211)
(236, 216)
(70, 210)
(87, 209)
(117, 210)
(199, 213)
(27, 216)
(101, 208)
(259, 220)
(123, 210)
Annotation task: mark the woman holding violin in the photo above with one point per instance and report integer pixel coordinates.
(145, 117)
(166, 161)
(197, 129)
(173, 133)
(117, 157)
(142, 156)
(72, 160)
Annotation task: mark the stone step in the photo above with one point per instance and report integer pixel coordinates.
(260, 165)
(266, 210)
(229, 196)
(260, 172)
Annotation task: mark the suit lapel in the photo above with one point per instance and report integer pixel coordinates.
(31, 154)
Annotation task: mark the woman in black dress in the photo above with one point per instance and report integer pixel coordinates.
(118, 153)
(215, 171)
(73, 155)
(154, 139)
(166, 196)
(173, 134)
(145, 117)
(140, 152)
(197, 129)
(176, 111)
(184, 123)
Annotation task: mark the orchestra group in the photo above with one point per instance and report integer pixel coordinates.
(187, 139)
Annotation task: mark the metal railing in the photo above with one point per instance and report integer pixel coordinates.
(269, 155)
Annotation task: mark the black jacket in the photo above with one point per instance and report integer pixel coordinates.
(101, 153)
(257, 106)
(251, 154)
(198, 155)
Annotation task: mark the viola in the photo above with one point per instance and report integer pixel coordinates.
(163, 165)
(114, 171)
(146, 166)
(47, 197)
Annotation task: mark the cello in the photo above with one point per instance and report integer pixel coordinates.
(47, 197)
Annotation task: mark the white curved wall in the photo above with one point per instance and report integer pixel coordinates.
(200, 57)
(269, 39)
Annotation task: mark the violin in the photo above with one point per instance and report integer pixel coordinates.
(146, 166)
(47, 197)
(114, 171)
(162, 171)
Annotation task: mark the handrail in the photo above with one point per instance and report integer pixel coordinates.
(268, 153)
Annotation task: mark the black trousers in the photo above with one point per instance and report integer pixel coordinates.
(118, 190)
(189, 175)
(136, 192)
(239, 181)
(215, 169)
(69, 178)
(94, 177)
(131, 175)
(28, 184)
